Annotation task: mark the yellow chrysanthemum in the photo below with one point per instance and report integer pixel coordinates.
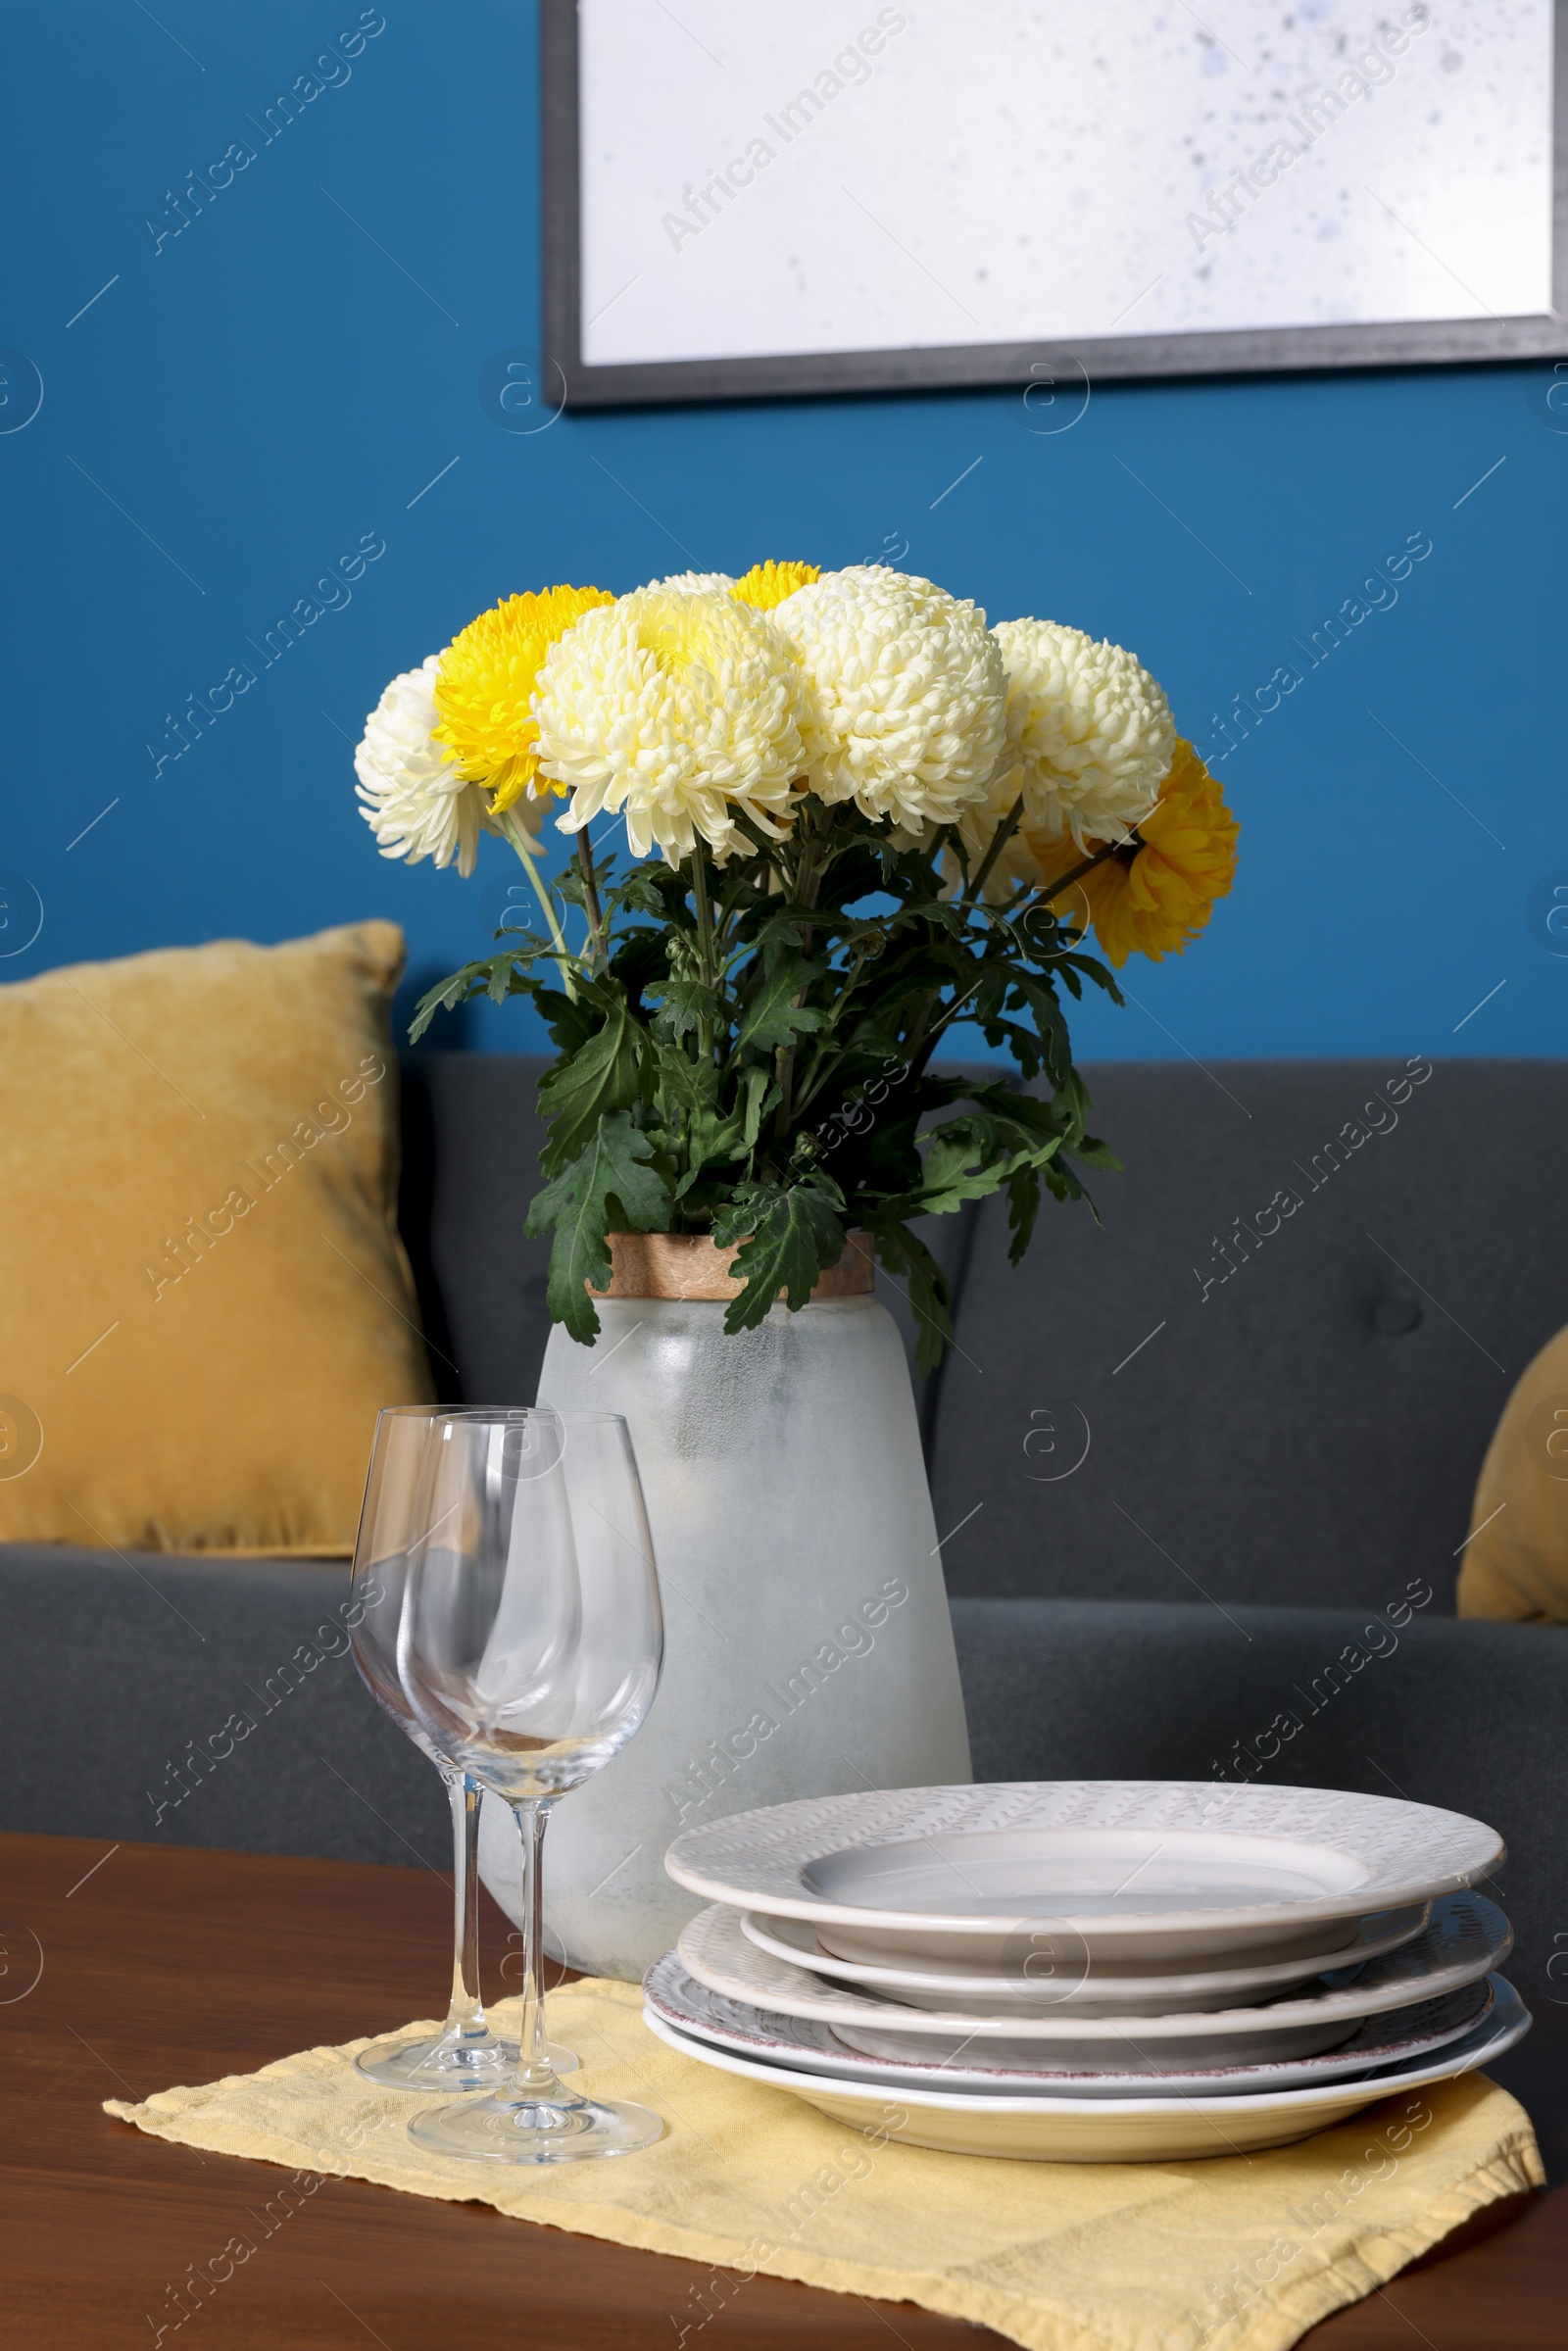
(1152, 900)
(768, 584)
(484, 687)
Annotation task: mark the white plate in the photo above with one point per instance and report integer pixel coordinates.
(801, 2044)
(1052, 1976)
(1465, 1938)
(1115, 2129)
(1170, 1872)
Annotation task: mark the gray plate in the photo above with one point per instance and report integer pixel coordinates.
(803, 2044)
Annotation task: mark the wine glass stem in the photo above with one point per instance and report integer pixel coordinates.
(535, 2074)
(465, 2017)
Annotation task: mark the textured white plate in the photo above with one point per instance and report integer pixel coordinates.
(1051, 1975)
(1465, 1938)
(1113, 2129)
(1176, 1872)
(801, 2044)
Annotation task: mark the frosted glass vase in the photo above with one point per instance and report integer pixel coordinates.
(808, 1649)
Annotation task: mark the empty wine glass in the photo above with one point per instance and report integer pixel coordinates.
(518, 1570)
(465, 2055)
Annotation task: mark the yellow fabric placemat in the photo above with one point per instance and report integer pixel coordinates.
(1236, 2254)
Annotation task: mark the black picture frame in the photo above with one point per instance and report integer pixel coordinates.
(1105, 359)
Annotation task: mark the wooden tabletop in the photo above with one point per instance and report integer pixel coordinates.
(129, 1967)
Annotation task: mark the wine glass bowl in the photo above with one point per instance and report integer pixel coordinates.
(529, 1634)
(519, 1623)
(466, 2054)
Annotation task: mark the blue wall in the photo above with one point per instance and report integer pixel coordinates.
(288, 373)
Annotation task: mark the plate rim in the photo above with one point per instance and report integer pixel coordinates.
(1505, 2025)
(812, 1814)
(860, 1971)
(860, 2010)
(1005, 2076)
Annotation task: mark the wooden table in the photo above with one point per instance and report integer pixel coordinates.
(162, 1965)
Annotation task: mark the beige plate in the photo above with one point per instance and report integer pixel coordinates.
(1053, 1974)
(798, 2043)
(1466, 1937)
(1120, 2131)
(1176, 1874)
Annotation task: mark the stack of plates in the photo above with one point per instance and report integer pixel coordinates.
(1090, 1971)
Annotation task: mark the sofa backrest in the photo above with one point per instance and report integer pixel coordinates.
(472, 1138)
(1268, 1374)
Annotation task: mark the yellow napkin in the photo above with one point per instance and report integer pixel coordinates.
(1240, 2253)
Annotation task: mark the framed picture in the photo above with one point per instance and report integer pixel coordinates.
(844, 195)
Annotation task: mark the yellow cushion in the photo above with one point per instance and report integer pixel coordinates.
(202, 1297)
(1516, 1560)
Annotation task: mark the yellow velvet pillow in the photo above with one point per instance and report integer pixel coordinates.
(1516, 1560)
(202, 1297)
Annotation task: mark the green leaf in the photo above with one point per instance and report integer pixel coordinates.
(709, 1139)
(683, 1084)
(684, 1005)
(602, 1077)
(570, 1019)
(793, 1234)
(1023, 1206)
(970, 1158)
(1095, 1153)
(640, 893)
(610, 1187)
(497, 976)
(953, 1152)
(1022, 1121)
(1050, 1025)
(768, 1018)
(569, 883)
(1093, 969)
(640, 960)
(440, 998)
(761, 1094)
(925, 1287)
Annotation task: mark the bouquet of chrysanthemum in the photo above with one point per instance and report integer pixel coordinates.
(853, 813)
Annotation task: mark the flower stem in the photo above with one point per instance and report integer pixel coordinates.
(811, 1082)
(1134, 841)
(590, 895)
(808, 881)
(999, 841)
(517, 835)
(705, 947)
(939, 842)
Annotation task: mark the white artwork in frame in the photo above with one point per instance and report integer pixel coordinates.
(830, 194)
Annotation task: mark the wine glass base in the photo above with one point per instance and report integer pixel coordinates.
(508, 2129)
(433, 2063)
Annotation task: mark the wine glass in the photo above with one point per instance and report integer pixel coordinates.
(465, 2055)
(518, 1568)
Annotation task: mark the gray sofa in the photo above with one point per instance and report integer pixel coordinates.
(1207, 1465)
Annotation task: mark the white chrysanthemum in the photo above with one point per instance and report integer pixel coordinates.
(417, 804)
(1090, 733)
(676, 705)
(693, 583)
(901, 709)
